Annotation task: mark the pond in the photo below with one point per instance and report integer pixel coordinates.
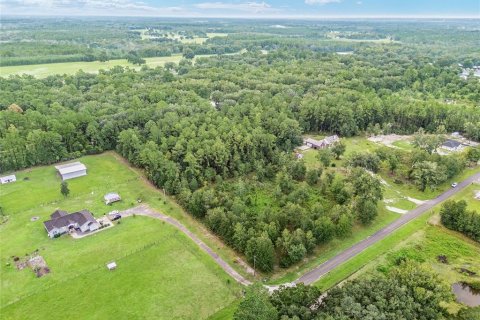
(465, 294)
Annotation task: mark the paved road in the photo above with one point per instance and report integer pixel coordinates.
(144, 210)
(349, 253)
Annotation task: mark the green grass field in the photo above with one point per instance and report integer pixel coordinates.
(160, 271)
(403, 144)
(48, 69)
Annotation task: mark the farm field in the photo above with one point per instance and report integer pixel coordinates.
(177, 271)
(48, 69)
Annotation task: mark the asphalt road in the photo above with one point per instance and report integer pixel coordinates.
(351, 252)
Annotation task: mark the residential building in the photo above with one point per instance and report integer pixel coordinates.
(61, 222)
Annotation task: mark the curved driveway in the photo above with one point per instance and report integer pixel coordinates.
(315, 274)
(329, 265)
(144, 210)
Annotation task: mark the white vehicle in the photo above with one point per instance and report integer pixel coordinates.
(454, 185)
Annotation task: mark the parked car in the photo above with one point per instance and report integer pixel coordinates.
(454, 185)
(116, 217)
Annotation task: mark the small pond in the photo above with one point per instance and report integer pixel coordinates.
(465, 294)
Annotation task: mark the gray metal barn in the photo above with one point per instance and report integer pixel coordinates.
(71, 170)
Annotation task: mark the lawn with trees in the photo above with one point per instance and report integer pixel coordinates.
(155, 261)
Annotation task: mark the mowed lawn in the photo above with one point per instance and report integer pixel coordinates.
(160, 271)
(48, 69)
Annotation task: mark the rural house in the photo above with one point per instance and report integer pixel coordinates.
(452, 145)
(111, 198)
(71, 170)
(322, 144)
(8, 179)
(61, 222)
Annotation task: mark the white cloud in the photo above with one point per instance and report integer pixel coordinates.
(322, 2)
(83, 7)
(255, 7)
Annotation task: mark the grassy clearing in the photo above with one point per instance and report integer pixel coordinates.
(180, 37)
(392, 190)
(404, 145)
(418, 239)
(177, 271)
(227, 312)
(48, 69)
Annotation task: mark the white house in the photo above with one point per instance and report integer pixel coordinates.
(62, 222)
(71, 170)
(111, 197)
(8, 179)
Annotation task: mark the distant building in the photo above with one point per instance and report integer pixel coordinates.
(8, 179)
(71, 170)
(452, 145)
(314, 144)
(322, 144)
(61, 222)
(111, 198)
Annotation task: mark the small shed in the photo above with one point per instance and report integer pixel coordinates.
(8, 179)
(111, 197)
(71, 170)
(112, 266)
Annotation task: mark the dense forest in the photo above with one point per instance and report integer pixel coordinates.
(408, 291)
(220, 131)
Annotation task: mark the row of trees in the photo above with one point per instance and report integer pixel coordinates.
(409, 291)
(454, 215)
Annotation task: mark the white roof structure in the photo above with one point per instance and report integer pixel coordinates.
(111, 197)
(71, 170)
(70, 167)
(7, 179)
(112, 266)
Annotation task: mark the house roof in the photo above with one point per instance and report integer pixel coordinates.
(7, 178)
(451, 144)
(70, 167)
(314, 142)
(81, 217)
(331, 139)
(58, 213)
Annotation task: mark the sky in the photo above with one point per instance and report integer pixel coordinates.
(247, 8)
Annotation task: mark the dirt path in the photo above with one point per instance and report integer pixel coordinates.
(144, 210)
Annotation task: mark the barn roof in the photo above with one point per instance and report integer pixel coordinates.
(70, 167)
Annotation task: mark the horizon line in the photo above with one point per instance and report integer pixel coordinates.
(243, 17)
